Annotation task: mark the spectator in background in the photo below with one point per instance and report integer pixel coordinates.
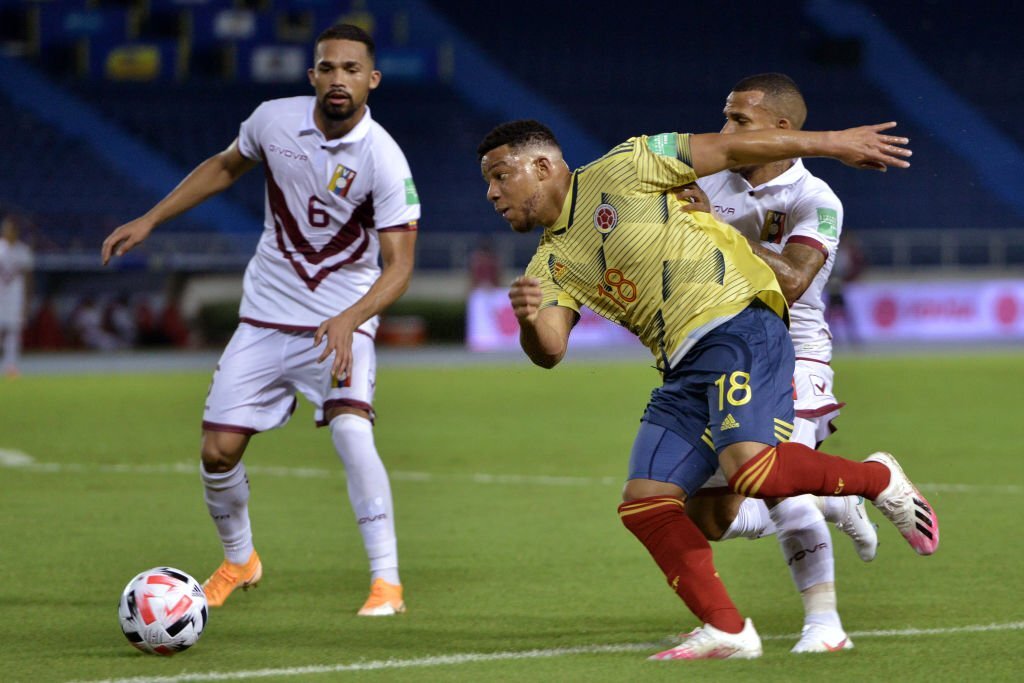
(119, 320)
(15, 290)
(484, 266)
(88, 329)
(849, 265)
(46, 330)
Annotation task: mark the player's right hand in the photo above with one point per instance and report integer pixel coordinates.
(525, 295)
(125, 238)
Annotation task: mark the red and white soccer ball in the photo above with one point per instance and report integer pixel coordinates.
(163, 611)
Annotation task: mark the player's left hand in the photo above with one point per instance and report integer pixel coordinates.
(870, 147)
(338, 332)
(692, 198)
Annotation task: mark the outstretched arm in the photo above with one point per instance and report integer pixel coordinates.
(867, 147)
(543, 332)
(211, 177)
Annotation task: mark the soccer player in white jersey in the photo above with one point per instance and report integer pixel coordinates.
(15, 266)
(338, 195)
(794, 221)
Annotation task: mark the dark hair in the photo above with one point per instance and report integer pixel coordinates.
(347, 32)
(517, 134)
(781, 91)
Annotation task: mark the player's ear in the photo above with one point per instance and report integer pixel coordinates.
(544, 166)
(311, 74)
(784, 123)
(374, 79)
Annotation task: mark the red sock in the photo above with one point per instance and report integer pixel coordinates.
(683, 554)
(791, 469)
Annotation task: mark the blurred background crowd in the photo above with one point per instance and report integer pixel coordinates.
(106, 104)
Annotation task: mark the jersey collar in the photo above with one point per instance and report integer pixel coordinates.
(788, 177)
(355, 135)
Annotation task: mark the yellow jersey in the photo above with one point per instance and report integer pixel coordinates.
(623, 248)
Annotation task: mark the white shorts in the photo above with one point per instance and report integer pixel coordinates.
(262, 369)
(814, 406)
(814, 403)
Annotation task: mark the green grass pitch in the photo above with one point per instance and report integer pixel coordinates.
(506, 481)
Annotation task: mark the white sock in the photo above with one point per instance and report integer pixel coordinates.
(227, 499)
(833, 507)
(752, 521)
(820, 605)
(12, 347)
(805, 541)
(369, 492)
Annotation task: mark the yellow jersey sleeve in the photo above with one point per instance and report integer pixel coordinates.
(663, 162)
(544, 266)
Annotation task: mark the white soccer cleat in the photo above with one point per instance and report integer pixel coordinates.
(821, 638)
(707, 642)
(862, 531)
(904, 506)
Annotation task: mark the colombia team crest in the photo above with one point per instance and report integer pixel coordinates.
(774, 226)
(605, 218)
(341, 181)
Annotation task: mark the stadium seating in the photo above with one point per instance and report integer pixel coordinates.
(664, 68)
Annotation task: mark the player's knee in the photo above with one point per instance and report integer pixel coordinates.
(734, 456)
(635, 489)
(221, 451)
(337, 411)
(711, 515)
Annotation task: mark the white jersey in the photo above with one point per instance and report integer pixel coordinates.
(797, 208)
(15, 264)
(326, 200)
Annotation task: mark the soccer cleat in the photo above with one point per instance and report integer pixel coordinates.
(904, 506)
(681, 637)
(862, 531)
(707, 642)
(230, 576)
(821, 638)
(385, 599)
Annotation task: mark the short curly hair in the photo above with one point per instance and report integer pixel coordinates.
(517, 134)
(348, 32)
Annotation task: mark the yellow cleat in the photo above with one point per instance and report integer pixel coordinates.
(230, 576)
(385, 599)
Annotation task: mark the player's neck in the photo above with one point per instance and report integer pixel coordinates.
(332, 129)
(554, 207)
(758, 175)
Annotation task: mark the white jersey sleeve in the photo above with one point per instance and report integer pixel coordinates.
(250, 131)
(817, 220)
(396, 202)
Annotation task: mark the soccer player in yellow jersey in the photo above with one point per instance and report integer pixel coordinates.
(715, 319)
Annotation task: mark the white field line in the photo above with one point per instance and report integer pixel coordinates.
(444, 660)
(13, 459)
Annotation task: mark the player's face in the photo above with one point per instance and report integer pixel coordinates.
(343, 76)
(745, 111)
(512, 186)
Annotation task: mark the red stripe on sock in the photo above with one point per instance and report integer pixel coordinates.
(791, 469)
(683, 554)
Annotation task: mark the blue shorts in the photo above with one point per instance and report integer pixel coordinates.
(735, 384)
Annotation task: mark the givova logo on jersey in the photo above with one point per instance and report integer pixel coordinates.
(774, 226)
(341, 181)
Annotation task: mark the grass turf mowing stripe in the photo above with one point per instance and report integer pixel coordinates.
(18, 460)
(444, 660)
